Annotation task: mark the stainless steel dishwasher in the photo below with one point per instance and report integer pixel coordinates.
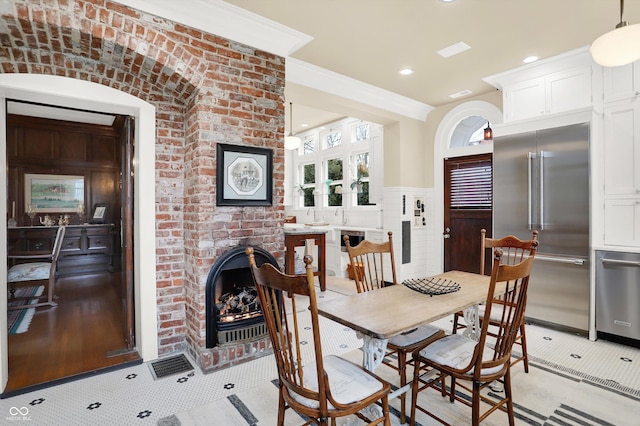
(618, 293)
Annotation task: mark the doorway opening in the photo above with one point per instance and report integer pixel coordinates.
(91, 328)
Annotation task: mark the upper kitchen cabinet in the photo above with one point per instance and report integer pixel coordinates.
(559, 84)
(621, 82)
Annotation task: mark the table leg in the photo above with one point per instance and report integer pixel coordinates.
(373, 351)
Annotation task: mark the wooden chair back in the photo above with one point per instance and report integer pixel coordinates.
(512, 282)
(514, 249)
(369, 261)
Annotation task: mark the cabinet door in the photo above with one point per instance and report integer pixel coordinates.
(622, 148)
(621, 82)
(525, 100)
(622, 222)
(568, 90)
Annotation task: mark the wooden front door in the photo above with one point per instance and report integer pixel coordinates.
(467, 209)
(126, 221)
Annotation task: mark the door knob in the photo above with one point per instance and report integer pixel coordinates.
(446, 233)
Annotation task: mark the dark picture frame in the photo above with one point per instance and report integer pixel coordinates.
(100, 213)
(244, 176)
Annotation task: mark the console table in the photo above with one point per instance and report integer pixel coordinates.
(298, 237)
(85, 248)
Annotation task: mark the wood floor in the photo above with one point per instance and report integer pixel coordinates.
(82, 334)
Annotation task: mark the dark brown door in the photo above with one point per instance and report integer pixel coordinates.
(126, 226)
(467, 209)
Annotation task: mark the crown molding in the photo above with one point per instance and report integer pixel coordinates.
(228, 21)
(309, 75)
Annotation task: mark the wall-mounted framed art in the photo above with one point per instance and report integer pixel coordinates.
(53, 193)
(244, 176)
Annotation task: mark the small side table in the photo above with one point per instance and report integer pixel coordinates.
(298, 237)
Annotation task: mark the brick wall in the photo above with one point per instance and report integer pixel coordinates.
(206, 90)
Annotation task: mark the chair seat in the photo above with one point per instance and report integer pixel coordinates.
(456, 351)
(414, 336)
(348, 382)
(29, 272)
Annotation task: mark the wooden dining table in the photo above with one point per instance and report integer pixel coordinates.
(380, 314)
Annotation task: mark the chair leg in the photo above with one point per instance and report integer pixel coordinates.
(475, 404)
(523, 344)
(507, 393)
(281, 408)
(402, 369)
(455, 323)
(414, 391)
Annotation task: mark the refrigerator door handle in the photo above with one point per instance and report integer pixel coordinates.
(570, 261)
(530, 157)
(604, 261)
(541, 201)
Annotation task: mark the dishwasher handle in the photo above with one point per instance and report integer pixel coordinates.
(605, 261)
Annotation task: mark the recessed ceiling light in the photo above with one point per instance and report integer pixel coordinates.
(304, 125)
(454, 49)
(406, 71)
(447, 1)
(530, 59)
(460, 94)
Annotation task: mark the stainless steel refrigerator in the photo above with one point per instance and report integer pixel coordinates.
(541, 182)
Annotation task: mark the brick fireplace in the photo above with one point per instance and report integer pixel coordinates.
(206, 90)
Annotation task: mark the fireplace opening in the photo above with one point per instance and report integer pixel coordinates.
(233, 311)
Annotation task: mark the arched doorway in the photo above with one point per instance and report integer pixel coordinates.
(453, 135)
(79, 94)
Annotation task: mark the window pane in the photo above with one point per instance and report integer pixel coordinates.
(334, 169)
(335, 199)
(363, 197)
(334, 139)
(308, 197)
(309, 145)
(362, 132)
(362, 165)
(309, 174)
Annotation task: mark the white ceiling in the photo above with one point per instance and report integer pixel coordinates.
(371, 40)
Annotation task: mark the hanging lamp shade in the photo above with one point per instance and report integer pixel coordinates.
(618, 47)
(291, 141)
(488, 133)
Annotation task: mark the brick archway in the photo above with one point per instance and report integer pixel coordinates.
(206, 90)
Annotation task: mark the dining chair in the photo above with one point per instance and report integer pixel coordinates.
(322, 388)
(474, 364)
(43, 267)
(368, 263)
(515, 250)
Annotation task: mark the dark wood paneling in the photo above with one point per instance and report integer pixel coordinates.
(73, 146)
(37, 145)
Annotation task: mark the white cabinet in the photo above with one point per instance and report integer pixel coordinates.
(621, 82)
(621, 167)
(557, 92)
(622, 148)
(622, 222)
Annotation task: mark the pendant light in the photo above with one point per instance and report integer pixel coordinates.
(618, 47)
(290, 141)
(488, 133)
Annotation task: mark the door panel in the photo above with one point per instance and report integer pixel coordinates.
(126, 225)
(464, 222)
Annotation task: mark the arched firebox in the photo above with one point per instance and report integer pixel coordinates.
(233, 312)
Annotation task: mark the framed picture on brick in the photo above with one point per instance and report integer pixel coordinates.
(244, 176)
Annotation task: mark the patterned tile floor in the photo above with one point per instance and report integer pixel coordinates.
(131, 396)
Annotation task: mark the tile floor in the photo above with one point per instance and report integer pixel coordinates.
(132, 396)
